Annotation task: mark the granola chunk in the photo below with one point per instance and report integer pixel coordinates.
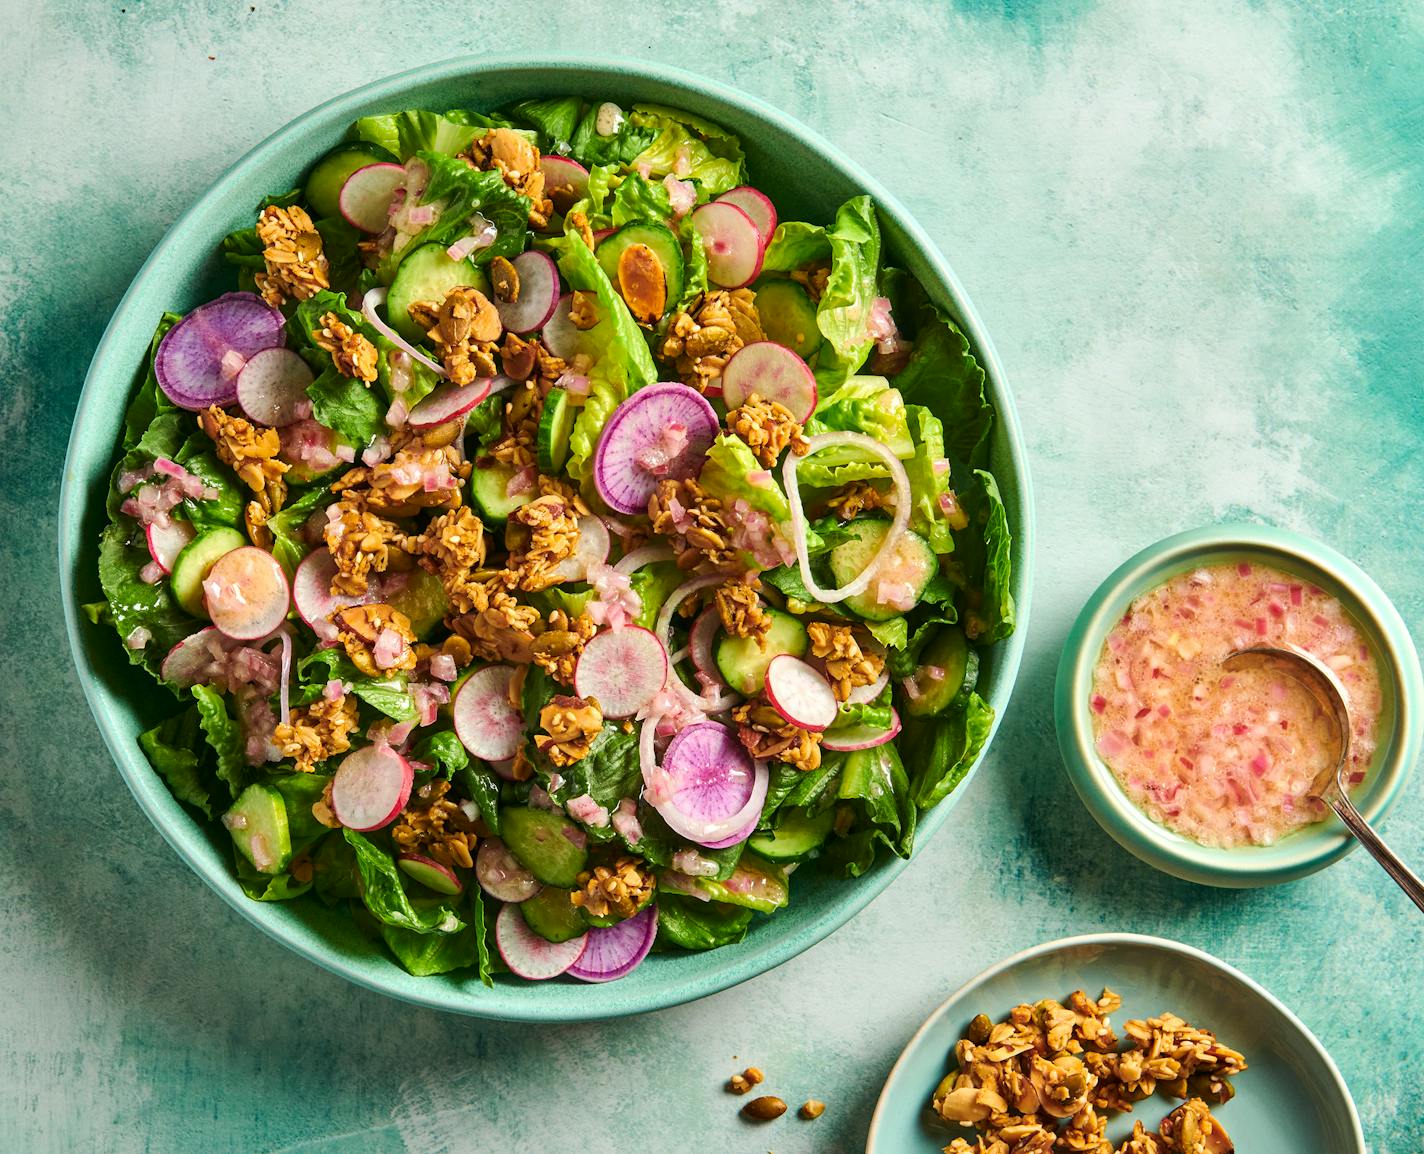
(521, 426)
(504, 279)
(497, 626)
(251, 452)
(435, 826)
(768, 428)
(557, 649)
(543, 534)
(701, 338)
(518, 358)
(856, 498)
(579, 226)
(692, 521)
(453, 548)
(377, 638)
(1175, 1050)
(360, 544)
(465, 327)
(417, 477)
(1191, 1129)
(622, 888)
(813, 279)
(317, 731)
(255, 517)
(352, 354)
(295, 266)
(1141, 1141)
(741, 610)
(511, 154)
(765, 734)
(847, 665)
(570, 726)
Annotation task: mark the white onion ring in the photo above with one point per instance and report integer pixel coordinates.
(676, 598)
(369, 303)
(647, 555)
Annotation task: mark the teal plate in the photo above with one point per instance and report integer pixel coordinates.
(809, 179)
(1291, 1097)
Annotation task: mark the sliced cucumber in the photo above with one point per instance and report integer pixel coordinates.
(949, 655)
(544, 843)
(330, 172)
(756, 884)
(428, 274)
(788, 316)
(743, 664)
(664, 245)
(912, 563)
(421, 597)
(258, 824)
(555, 424)
(489, 493)
(798, 834)
(192, 565)
(551, 915)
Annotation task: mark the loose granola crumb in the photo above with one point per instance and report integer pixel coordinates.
(702, 337)
(570, 725)
(316, 732)
(768, 428)
(518, 358)
(360, 544)
(377, 638)
(765, 734)
(811, 1109)
(294, 265)
(352, 354)
(847, 665)
(583, 310)
(738, 1084)
(465, 327)
(622, 889)
(251, 452)
(435, 826)
(453, 548)
(754, 1075)
(511, 154)
(856, 498)
(693, 523)
(557, 649)
(741, 609)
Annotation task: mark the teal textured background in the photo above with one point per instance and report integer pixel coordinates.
(1195, 237)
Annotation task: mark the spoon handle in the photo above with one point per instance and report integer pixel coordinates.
(1403, 876)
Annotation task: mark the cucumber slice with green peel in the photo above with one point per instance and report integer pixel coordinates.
(551, 443)
(552, 916)
(192, 565)
(664, 245)
(420, 596)
(547, 844)
(743, 664)
(798, 835)
(323, 187)
(788, 316)
(756, 884)
(946, 676)
(901, 578)
(489, 493)
(428, 274)
(257, 822)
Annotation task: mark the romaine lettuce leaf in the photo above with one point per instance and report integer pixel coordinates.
(944, 748)
(689, 148)
(422, 954)
(134, 604)
(388, 695)
(198, 456)
(794, 245)
(943, 375)
(224, 734)
(637, 200)
(174, 748)
(347, 407)
(927, 485)
(697, 925)
(609, 772)
(288, 546)
(406, 133)
(727, 475)
(385, 896)
(262, 887)
(986, 557)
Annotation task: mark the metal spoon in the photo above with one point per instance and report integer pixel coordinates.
(1321, 683)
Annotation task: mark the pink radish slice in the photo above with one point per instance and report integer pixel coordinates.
(165, 542)
(527, 954)
(246, 593)
(757, 205)
(371, 787)
(365, 198)
(486, 724)
(592, 549)
(272, 387)
(504, 767)
(430, 873)
(847, 739)
(773, 371)
(737, 838)
(500, 874)
(624, 668)
(311, 591)
(799, 693)
(733, 244)
(615, 951)
(558, 333)
(865, 694)
(192, 661)
(199, 358)
(637, 429)
(447, 403)
(538, 294)
(711, 787)
(566, 177)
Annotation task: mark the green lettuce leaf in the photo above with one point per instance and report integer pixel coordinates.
(198, 456)
(388, 695)
(637, 199)
(347, 407)
(903, 661)
(173, 749)
(334, 873)
(985, 555)
(383, 891)
(423, 954)
(287, 544)
(943, 375)
(893, 633)
(727, 476)
(443, 750)
(874, 784)
(619, 149)
(224, 734)
(698, 925)
(653, 584)
(927, 485)
(262, 887)
(689, 148)
(150, 401)
(481, 786)
(406, 133)
(555, 119)
(134, 604)
(944, 748)
(694, 262)
(608, 773)
(794, 245)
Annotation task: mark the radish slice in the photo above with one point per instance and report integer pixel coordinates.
(757, 205)
(311, 591)
(504, 767)
(774, 372)
(708, 786)
(848, 738)
(365, 198)
(592, 549)
(448, 402)
(485, 722)
(623, 668)
(371, 787)
(799, 693)
(733, 243)
(527, 954)
(661, 431)
(246, 593)
(615, 951)
(538, 293)
(430, 873)
(865, 694)
(272, 387)
(558, 333)
(565, 180)
(200, 358)
(165, 542)
(500, 874)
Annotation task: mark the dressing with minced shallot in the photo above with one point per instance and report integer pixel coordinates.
(1228, 758)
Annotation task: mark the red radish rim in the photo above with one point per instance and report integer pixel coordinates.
(854, 737)
(812, 680)
(347, 779)
(480, 686)
(699, 644)
(518, 316)
(448, 402)
(164, 556)
(232, 622)
(293, 389)
(436, 867)
(355, 182)
(761, 244)
(735, 197)
(734, 395)
(587, 679)
(512, 932)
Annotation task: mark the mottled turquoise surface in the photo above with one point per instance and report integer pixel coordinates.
(1194, 233)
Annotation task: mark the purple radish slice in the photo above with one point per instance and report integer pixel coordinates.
(538, 293)
(800, 693)
(448, 402)
(849, 738)
(272, 387)
(615, 951)
(246, 593)
(565, 180)
(165, 542)
(430, 873)
(527, 954)
(500, 874)
(559, 334)
(737, 838)
(311, 590)
(366, 196)
(593, 547)
(196, 659)
(624, 668)
(485, 722)
(732, 241)
(200, 358)
(370, 788)
(774, 372)
(661, 431)
(756, 205)
(708, 788)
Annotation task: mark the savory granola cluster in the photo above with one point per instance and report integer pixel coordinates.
(703, 336)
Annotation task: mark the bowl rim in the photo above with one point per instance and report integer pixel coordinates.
(1085, 941)
(501, 1003)
(1304, 851)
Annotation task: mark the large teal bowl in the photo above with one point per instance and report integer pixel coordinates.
(808, 178)
(1306, 850)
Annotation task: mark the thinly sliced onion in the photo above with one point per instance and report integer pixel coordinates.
(284, 701)
(676, 598)
(647, 555)
(369, 304)
(798, 514)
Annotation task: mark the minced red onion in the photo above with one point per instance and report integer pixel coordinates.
(442, 666)
(151, 574)
(583, 808)
(626, 823)
(693, 864)
(682, 194)
(389, 649)
(333, 690)
(138, 637)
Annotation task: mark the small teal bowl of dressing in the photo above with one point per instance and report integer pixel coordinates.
(1326, 574)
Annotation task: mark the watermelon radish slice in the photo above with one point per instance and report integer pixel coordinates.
(594, 544)
(737, 838)
(527, 954)
(200, 358)
(246, 593)
(756, 205)
(733, 244)
(430, 873)
(709, 787)
(500, 874)
(365, 198)
(371, 787)
(773, 371)
(311, 591)
(849, 738)
(558, 333)
(485, 722)
(565, 180)
(661, 431)
(800, 693)
(538, 294)
(165, 542)
(272, 387)
(448, 402)
(615, 951)
(623, 668)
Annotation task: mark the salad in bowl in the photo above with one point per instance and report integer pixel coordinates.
(549, 550)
